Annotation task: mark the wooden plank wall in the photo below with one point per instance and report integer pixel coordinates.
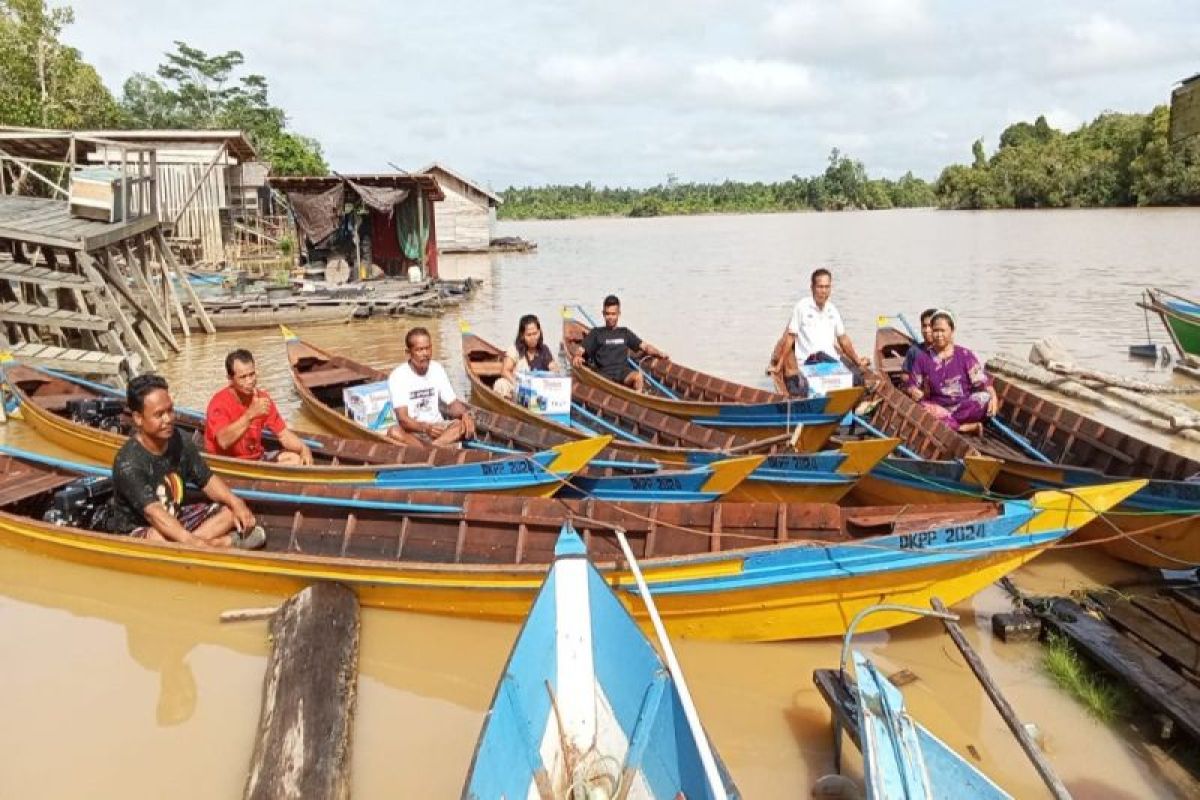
(202, 219)
(462, 223)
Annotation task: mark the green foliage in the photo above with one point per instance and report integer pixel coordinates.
(1116, 160)
(843, 185)
(44, 83)
(1103, 700)
(196, 90)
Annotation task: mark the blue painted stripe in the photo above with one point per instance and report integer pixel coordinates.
(252, 494)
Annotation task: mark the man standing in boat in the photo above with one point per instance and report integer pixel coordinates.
(607, 349)
(151, 470)
(419, 388)
(818, 336)
(238, 413)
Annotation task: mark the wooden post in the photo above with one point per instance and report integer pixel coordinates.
(169, 258)
(1040, 763)
(170, 299)
(151, 308)
(117, 281)
(303, 744)
(112, 308)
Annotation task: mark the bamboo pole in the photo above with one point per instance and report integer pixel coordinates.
(1040, 763)
(151, 308)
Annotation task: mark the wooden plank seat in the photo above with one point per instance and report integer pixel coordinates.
(20, 484)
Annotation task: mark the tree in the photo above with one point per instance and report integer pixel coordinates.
(196, 90)
(43, 82)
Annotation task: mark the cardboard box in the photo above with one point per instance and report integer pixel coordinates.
(369, 404)
(545, 393)
(824, 378)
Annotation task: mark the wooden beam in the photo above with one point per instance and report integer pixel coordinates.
(170, 298)
(118, 282)
(197, 307)
(152, 309)
(113, 306)
(119, 232)
(26, 170)
(304, 731)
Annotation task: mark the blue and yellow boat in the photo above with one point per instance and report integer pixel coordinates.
(745, 571)
(586, 707)
(713, 402)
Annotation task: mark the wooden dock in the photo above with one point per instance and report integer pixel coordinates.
(1148, 639)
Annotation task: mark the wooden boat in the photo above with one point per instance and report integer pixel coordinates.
(1156, 527)
(747, 571)
(783, 477)
(585, 706)
(1179, 315)
(51, 404)
(901, 757)
(736, 408)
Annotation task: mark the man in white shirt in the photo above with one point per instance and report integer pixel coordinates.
(818, 335)
(418, 388)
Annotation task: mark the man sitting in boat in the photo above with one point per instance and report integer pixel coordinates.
(528, 353)
(818, 336)
(948, 380)
(151, 470)
(926, 340)
(238, 413)
(419, 388)
(607, 349)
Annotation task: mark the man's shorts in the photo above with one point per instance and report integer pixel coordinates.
(618, 373)
(190, 516)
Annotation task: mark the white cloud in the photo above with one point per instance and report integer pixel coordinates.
(848, 26)
(1103, 44)
(584, 77)
(757, 84)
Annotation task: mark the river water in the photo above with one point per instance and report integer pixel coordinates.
(126, 686)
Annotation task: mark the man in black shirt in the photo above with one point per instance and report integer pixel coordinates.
(151, 470)
(607, 349)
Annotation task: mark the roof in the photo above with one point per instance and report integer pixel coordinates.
(438, 166)
(55, 145)
(391, 180)
(235, 141)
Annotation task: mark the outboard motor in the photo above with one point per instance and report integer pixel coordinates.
(98, 412)
(79, 503)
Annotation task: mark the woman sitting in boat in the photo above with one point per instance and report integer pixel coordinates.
(948, 380)
(528, 353)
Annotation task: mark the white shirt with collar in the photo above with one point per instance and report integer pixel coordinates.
(816, 329)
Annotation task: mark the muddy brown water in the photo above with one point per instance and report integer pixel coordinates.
(125, 686)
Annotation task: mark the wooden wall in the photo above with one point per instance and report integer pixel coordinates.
(463, 222)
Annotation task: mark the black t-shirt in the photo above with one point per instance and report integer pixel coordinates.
(607, 350)
(141, 478)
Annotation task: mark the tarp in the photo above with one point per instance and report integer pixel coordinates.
(318, 215)
(378, 198)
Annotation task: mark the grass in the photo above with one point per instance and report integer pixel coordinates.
(1103, 700)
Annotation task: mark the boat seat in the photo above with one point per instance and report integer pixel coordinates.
(21, 484)
(486, 369)
(332, 377)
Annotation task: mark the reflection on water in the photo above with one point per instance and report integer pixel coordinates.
(135, 682)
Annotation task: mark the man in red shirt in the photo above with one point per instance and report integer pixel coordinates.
(238, 413)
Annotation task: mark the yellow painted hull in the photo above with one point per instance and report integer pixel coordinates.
(872, 491)
(790, 611)
(101, 446)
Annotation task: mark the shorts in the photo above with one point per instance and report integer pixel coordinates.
(270, 456)
(190, 516)
(618, 373)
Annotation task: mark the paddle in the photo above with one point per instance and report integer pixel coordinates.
(1019, 440)
(685, 696)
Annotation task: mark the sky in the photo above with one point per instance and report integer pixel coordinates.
(627, 92)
